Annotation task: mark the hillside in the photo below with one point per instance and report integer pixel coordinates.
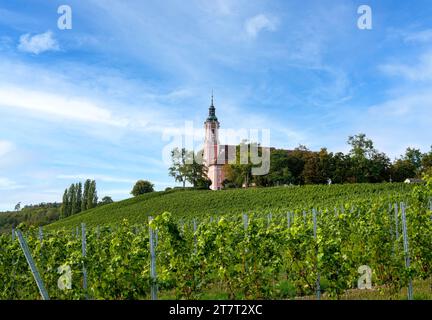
(187, 203)
(34, 215)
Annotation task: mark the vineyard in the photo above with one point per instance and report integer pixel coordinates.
(264, 255)
(201, 204)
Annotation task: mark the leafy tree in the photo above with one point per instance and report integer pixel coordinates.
(79, 197)
(402, 169)
(178, 169)
(18, 206)
(280, 173)
(92, 195)
(415, 157)
(196, 171)
(427, 161)
(142, 187)
(72, 199)
(85, 196)
(64, 210)
(106, 200)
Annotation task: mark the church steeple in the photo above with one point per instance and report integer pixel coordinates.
(212, 111)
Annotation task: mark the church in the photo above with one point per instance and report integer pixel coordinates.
(215, 155)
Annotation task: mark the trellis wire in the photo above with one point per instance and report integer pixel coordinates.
(154, 289)
(42, 290)
(406, 249)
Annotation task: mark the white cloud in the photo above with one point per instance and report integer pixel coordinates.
(38, 43)
(97, 177)
(7, 184)
(260, 22)
(418, 72)
(56, 105)
(5, 147)
(419, 37)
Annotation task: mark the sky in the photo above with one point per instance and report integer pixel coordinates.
(106, 99)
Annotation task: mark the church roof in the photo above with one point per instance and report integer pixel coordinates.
(212, 112)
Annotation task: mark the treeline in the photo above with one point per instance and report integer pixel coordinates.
(30, 215)
(363, 164)
(77, 199)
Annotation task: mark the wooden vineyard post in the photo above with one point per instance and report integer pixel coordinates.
(84, 253)
(13, 234)
(153, 277)
(269, 218)
(42, 290)
(304, 217)
(318, 286)
(406, 249)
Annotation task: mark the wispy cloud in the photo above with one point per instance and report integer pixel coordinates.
(38, 43)
(5, 147)
(7, 184)
(256, 24)
(419, 71)
(97, 177)
(423, 36)
(63, 107)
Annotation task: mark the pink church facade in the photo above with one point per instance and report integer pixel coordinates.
(215, 155)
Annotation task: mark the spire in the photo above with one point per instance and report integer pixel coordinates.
(212, 110)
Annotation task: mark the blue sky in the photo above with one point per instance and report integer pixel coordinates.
(96, 101)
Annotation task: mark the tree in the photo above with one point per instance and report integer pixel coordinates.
(18, 206)
(427, 161)
(85, 196)
(72, 200)
(65, 205)
(280, 173)
(362, 151)
(142, 187)
(402, 169)
(106, 200)
(415, 157)
(178, 168)
(341, 164)
(92, 195)
(78, 197)
(195, 170)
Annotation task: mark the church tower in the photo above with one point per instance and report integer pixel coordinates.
(212, 149)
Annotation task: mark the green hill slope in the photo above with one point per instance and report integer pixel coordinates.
(187, 203)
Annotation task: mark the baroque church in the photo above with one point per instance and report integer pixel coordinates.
(215, 155)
